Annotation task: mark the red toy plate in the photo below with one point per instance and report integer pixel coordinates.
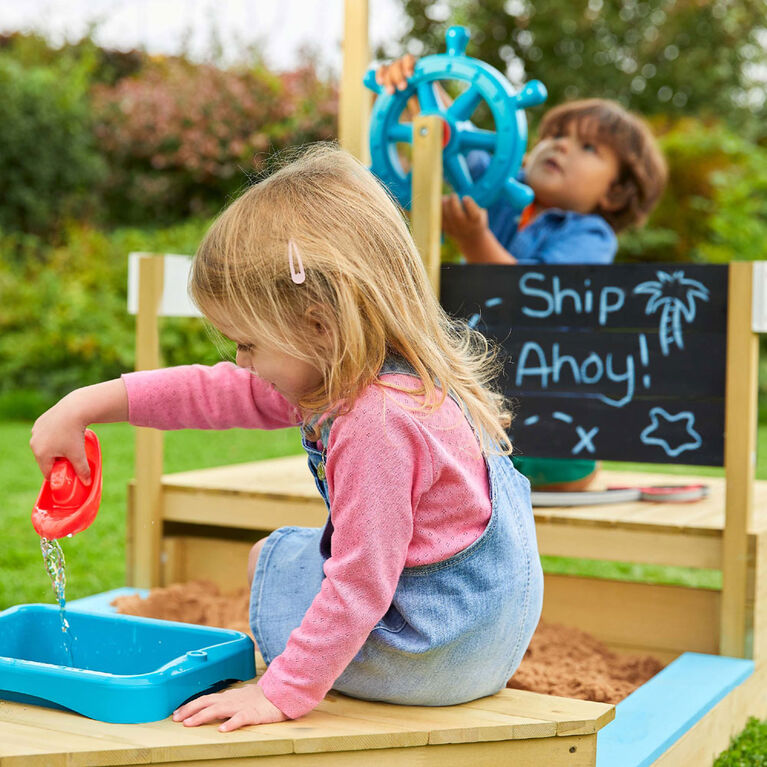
(65, 505)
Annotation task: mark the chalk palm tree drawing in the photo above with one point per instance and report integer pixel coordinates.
(675, 295)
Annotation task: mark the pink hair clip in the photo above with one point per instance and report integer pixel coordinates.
(297, 276)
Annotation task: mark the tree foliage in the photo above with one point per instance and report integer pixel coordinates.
(48, 160)
(676, 57)
(714, 209)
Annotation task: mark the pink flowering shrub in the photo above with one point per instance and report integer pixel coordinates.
(181, 138)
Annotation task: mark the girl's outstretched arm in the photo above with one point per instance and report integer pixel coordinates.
(59, 431)
(223, 396)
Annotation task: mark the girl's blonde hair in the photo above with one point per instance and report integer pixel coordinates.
(365, 290)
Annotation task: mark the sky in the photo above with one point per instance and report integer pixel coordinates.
(280, 28)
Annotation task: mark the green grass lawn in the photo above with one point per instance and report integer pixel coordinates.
(96, 558)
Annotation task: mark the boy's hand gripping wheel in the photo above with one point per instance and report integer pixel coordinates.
(507, 144)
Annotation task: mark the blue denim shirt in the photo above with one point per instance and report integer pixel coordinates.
(553, 237)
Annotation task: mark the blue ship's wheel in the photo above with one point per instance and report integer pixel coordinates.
(506, 144)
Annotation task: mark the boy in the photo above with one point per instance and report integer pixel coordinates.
(595, 171)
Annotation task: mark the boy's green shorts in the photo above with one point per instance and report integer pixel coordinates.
(550, 471)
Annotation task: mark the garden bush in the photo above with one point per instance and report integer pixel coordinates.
(63, 315)
(181, 138)
(48, 161)
(103, 65)
(714, 209)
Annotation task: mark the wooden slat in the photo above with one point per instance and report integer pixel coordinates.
(222, 562)
(145, 531)
(576, 751)
(426, 208)
(254, 512)
(448, 724)
(669, 619)
(21, 742)
(318, 731)
(756, 605)
(286, 477)
(354, 99)
(566, 713)
(70, 740)
(597, 541)
(740, 456)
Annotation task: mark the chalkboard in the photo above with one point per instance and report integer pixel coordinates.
(620, 362)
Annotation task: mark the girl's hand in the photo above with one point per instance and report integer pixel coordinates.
(394, 76)
(240, 706)
(60, 433)
(465, 222)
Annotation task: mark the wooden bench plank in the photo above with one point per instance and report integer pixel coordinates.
(66, 733)
(566, 713)
(339, 724)
(449, 724)
(576, 751)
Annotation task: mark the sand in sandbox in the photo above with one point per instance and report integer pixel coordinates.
(559, 661)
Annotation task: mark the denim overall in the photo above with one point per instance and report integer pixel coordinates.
(456, 629)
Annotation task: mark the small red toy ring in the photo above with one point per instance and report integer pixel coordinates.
(673, 493)
(65, 505)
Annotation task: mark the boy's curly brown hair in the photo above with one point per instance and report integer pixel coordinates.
(642, 172)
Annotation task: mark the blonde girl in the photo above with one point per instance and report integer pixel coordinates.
(424, 586)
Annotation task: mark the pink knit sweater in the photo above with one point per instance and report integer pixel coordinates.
(406, 489)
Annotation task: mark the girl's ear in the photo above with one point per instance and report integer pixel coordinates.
(316, 322)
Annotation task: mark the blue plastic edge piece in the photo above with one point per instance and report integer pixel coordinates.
(225, 655)
(659, 712)
(102, 603)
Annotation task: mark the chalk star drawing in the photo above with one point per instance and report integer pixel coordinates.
(676, 295)
(661, 418)
(586, 437)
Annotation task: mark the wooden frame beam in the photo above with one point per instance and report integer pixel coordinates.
(144, 523)
(426, 208)
(740, 459)
(353, 99)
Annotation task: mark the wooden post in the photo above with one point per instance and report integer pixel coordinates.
(739, 459)
(426, 208)
(354, 98)
(144, 522)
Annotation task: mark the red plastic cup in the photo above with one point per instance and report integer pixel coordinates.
(65, 505)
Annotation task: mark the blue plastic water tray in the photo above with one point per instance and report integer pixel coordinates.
(123, 668)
